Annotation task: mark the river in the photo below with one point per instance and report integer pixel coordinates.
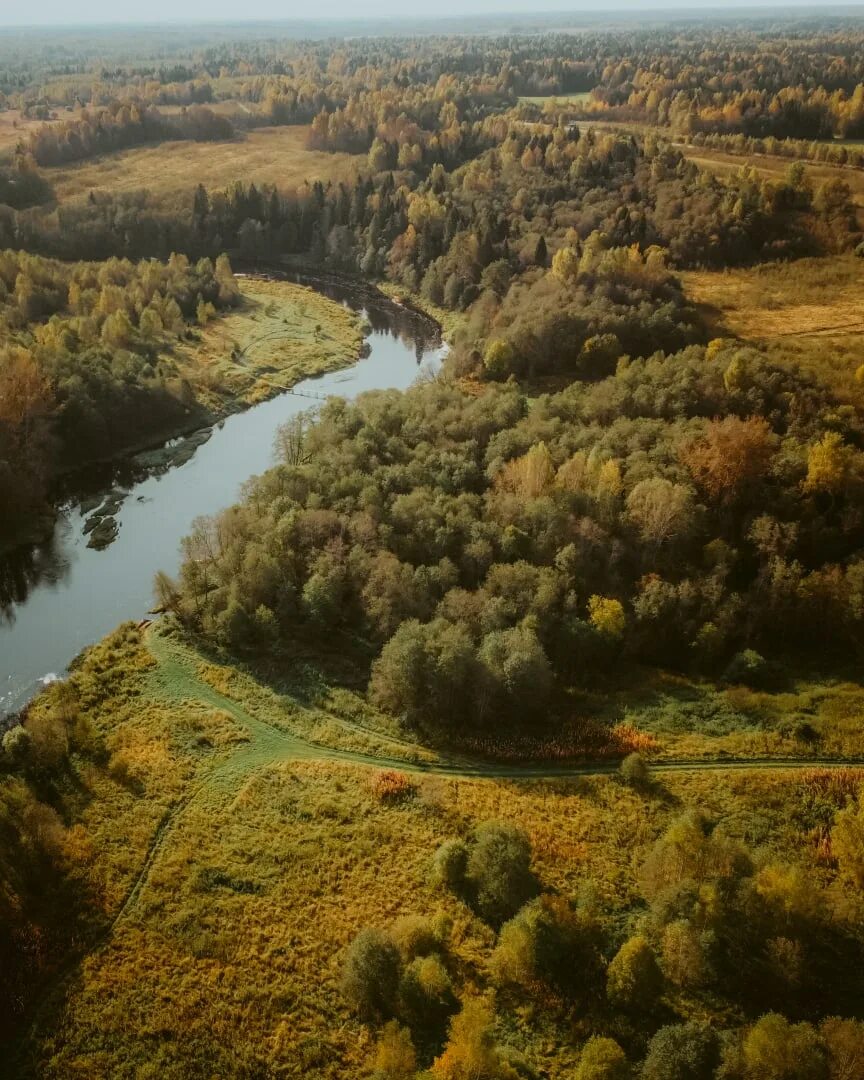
(56, 598)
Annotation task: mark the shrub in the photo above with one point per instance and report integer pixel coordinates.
(391, 786)
(499, 871)
(750, 669)
(634, 770)
(394, 1055)
(549, 942)
(602, 1059)
(426, 997)
(415, 936)
(682, 1052)
(16, 744)
(633, 980)
(370, 978)
(450, 865)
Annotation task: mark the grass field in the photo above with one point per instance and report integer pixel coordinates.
(809, 297)
(556, 100)
(236, 861)
(276, 155)
(279, 334)
(13, 128)
(809, 310)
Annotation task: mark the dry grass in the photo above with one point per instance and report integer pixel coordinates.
(280, 334)
(13, 128)
(227, 962)
(553, 101)
(275, 155)
(810, 297)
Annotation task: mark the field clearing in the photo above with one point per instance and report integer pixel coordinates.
(554, 100)
(280, 333)
(275, 155)
(13, 128)
(809, 298)
(236, 868)
(807, 311)
(775, 168)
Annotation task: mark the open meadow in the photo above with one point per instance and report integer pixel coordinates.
(276, 155)
(235, 862)
(278, 334)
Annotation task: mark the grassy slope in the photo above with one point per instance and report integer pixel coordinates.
(237, 862)
(280, 334)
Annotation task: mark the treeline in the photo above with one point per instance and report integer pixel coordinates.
(80, 368)
(715, 929)
(440, 231)
(119, 127)
(830, 153)
(693, 509)
(767, 81)
(50, 902)
(794, 112)
(413, 118)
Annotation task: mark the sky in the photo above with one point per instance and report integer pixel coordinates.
(49, 13)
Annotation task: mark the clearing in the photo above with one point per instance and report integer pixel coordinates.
(808, 310)
(265, 156)
(280, 333)
(237, 859)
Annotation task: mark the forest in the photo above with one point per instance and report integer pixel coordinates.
(508, 726)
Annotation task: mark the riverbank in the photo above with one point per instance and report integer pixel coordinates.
(60, 596)
(280, 333)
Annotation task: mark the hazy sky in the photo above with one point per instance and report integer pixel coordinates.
(66, 12)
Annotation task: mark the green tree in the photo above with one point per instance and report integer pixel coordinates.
(774, 1049)
(682, 1052)
(499, 871)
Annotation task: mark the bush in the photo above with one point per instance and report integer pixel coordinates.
(391, 786)
(415, 936)
(370, 978)
(634, 770)
(499, 871)
(602, 1059)
(450, 865)
(394, 1055)
(426, 998)
(682, 1052)
(16, 744)
(549, 942)
(633, 980)
(750, 668)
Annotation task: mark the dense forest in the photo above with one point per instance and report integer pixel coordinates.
(603, 495)
(80, 369)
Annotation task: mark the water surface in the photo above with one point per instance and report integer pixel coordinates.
(58, 597)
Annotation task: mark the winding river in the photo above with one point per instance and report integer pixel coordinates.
(58, 597)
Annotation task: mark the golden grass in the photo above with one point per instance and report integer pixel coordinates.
(556, 100)
(226, 960)
(280, 333)
(14, 127)
(275, 155)
(809, 311)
